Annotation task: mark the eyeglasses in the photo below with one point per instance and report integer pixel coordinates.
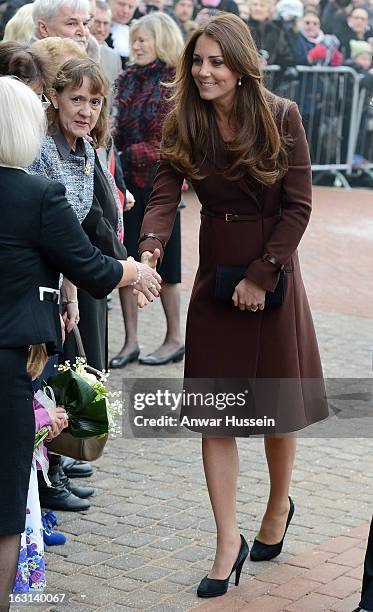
(42, 97)
(98, 23)
(44, 101)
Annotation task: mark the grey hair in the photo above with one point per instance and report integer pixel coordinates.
(22, 123)
(46, 9)
(102, 5)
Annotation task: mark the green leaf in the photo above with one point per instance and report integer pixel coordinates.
(86, 408)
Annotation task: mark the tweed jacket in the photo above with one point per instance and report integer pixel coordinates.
(75, 172)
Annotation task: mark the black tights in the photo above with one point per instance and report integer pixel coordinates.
(9, 553)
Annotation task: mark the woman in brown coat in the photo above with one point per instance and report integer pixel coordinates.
(245, 152)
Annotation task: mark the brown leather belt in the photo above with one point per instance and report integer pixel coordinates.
(233, 216)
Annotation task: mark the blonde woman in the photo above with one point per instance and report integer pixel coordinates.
(156, 43)
(20, 27)
(59, 51)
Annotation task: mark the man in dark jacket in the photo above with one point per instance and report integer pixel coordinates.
(119, 37)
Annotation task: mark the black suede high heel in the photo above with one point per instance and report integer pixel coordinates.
(265, 552)
(210, 587)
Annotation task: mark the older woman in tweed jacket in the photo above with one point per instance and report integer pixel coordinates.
(77, 125)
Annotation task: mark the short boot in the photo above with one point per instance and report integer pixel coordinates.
(58, 497)
(82, 492)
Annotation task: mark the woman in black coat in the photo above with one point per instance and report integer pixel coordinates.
(39, 236)
(268, 35)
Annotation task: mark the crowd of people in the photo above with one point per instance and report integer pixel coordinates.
(288, 33)
(111, 107)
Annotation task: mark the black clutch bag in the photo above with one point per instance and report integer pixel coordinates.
(228, 277)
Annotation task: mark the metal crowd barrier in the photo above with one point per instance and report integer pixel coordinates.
(363, 143)
(328, 100)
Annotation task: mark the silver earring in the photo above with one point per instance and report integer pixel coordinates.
(239, 82)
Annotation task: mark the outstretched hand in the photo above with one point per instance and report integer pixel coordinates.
(151, 259)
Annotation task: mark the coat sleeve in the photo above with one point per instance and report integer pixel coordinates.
(101, 233)
(42, 416)
(296, 208)
(66, 247)
(161, 210)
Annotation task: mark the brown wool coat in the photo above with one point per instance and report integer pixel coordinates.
(221, 340)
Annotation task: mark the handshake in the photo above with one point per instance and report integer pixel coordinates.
(147, 283)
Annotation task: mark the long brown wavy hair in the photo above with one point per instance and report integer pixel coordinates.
(190, 128)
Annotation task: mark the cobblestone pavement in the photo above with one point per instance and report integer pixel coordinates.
(149, 535)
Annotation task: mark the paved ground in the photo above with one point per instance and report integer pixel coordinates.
(149, 535)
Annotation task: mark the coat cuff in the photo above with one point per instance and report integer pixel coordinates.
(149, 244)
(264, 274)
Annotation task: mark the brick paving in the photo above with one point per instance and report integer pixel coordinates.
(148, 537)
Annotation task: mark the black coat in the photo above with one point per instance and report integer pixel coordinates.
(226, 6)
(40, 236)
(367, 589)
(345, 35)
(99, 225)
(268, 36)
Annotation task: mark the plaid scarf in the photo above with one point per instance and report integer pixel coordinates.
(141, 108)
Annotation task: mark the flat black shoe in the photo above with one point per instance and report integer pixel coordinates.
(76, 469)
(264, 552)
(210, 587)
(155, 361)
(121, 362)
(82, 492)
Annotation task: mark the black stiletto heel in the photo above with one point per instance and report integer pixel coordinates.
(209, 587)
(238, 572)
(265, 552)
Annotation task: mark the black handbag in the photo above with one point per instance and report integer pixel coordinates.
(228, 277)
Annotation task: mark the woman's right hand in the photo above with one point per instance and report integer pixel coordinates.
(142, 278)
(150, 282)
(59, 421)
(150, 259)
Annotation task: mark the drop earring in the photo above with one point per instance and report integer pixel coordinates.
(239, 82)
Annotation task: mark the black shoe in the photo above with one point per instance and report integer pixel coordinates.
(82, 492)
(264, 552)
(155, 361)
(210, 587)
(121, 362)
(76, 469)
(58, 497)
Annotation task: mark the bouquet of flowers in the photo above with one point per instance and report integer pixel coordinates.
(90, 407)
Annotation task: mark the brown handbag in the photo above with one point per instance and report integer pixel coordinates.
(83, 449)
